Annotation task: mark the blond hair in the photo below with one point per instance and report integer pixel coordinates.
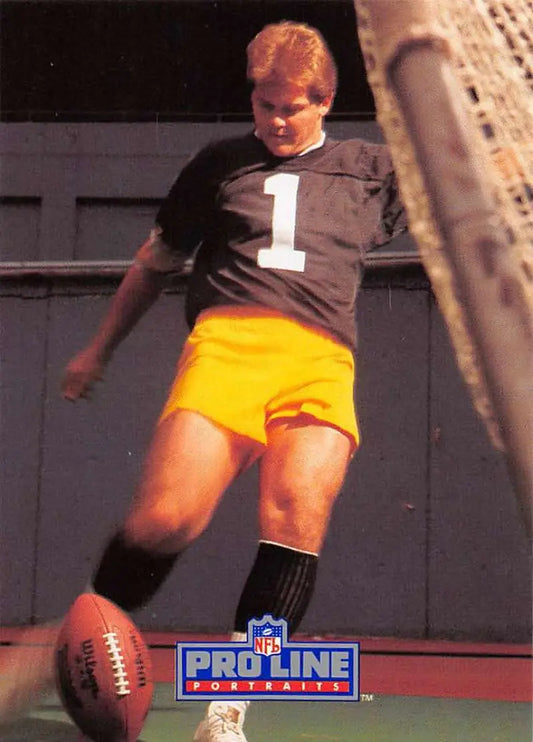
(293, 52)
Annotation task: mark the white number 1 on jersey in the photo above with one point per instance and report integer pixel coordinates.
(281, 253)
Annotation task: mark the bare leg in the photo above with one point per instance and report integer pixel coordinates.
(302, 472)
(26, 674)
(189, 464)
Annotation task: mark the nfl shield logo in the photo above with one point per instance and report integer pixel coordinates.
(267, 666)
(268, 636)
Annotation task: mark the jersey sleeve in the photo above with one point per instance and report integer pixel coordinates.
(376, 168)
(156, 255)
(183, 215)
(393, 214)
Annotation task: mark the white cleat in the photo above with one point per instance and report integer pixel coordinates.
(223, 722)
(27, 672)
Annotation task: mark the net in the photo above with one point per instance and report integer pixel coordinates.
(452, 82)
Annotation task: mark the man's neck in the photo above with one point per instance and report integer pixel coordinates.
(316, 145)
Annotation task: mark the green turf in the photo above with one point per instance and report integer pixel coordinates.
(382, 719)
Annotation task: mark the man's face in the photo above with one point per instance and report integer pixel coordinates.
(285, 119)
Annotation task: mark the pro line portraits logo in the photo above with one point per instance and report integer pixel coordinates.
(267, 667)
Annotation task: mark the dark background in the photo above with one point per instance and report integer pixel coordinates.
(131, 59)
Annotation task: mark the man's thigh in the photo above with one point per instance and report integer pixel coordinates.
(189, 463)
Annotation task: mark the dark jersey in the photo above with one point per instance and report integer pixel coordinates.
(282, 233)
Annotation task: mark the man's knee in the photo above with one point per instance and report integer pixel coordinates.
(297, 522)
(163, 528)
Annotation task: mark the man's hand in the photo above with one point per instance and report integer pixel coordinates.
(82, 372)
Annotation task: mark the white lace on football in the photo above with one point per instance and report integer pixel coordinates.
(117, 663)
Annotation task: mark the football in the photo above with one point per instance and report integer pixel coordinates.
(103, 672)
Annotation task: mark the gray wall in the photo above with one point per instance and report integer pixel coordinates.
(425, 539)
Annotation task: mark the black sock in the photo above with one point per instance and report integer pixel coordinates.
(280, 583)
(130, 575)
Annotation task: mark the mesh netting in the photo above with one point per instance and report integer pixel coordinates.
(489, 44)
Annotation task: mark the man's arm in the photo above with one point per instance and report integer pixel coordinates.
(138, 290)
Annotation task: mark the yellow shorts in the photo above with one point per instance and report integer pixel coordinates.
(245, 367)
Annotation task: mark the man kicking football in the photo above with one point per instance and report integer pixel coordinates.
(278, 220)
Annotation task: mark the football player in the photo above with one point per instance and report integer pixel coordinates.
(279, 221)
